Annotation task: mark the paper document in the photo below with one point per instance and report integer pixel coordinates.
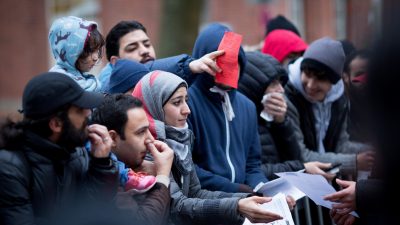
(280, 185)
(279, 206)
(314, 186)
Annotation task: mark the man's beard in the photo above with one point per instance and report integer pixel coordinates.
(72, 137)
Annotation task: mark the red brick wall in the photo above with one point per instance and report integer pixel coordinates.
(24, 48)
(145, 11)
(245, 18)
(319, 16)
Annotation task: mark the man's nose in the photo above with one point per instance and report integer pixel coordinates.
(143, 50)
(149, 135)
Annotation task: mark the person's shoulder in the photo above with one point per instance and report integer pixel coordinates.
(11, 160)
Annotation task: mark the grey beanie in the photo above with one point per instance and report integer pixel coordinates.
(327, 54)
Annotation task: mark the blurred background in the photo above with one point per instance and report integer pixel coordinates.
(172, 26)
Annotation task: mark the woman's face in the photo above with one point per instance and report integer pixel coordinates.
(176, 110)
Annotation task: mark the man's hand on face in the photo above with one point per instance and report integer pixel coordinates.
(162, 154)
(100, 141)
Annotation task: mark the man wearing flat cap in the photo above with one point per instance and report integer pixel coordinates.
(44, 167)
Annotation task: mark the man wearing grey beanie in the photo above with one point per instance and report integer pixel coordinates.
(319, 109)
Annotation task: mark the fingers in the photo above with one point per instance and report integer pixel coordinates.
(208, 65)
(99, 132)
(343, 183)
(329, 176)
(341, 207)
(324, 165)
(215, 54)
(261, 200)
(334, 197)
(290, 201)
(161, 146)
(100, 140)
(151, 148)
(262, 216)
(275, 104)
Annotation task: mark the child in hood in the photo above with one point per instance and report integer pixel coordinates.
(76, 45)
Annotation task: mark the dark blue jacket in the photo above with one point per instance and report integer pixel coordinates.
(178, 65)
(226, 153)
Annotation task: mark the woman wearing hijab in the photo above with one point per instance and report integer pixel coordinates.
(164, 96)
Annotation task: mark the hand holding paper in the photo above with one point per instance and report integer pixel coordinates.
(346, 197)
(279, 206)
(250, 208)
(313, 185)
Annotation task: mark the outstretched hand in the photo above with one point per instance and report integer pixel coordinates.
(207, 63)
(316, 167)
(346, 197)
(250, 208)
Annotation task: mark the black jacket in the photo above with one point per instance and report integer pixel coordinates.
(339, 111)
(40, 178)
(280, 151)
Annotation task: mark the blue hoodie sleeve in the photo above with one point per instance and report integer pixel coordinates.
(178, 65)
(214, 182)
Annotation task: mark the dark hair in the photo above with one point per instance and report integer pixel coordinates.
(94, 42)
(115, 34)
(348, 47)
(319, 70)
(364, 54)
(12, 133)
(112, 113)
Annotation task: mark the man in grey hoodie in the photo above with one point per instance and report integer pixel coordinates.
(320, 108)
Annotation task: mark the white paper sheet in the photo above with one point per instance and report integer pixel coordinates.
(314, 186)
(280, 185)
(279, 206)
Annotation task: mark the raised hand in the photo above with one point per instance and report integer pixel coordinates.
(276, 106)
(100, 141)
(163, 156)
(207, 63)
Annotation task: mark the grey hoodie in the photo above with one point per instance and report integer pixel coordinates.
(344, 152)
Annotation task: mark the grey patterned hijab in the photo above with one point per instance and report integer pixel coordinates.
(154, 90)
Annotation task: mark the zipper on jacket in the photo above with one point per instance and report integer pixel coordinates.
(228, 158)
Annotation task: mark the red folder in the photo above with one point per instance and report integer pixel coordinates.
(228, 62)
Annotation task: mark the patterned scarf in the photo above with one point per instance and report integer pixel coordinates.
(154, 90)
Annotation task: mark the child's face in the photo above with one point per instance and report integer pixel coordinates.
(176, 109)
(87, 63)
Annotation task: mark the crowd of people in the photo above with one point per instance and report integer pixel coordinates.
(187, 139)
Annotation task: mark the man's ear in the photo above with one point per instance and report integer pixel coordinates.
(56, 125)
(113, 59)
(114, 137)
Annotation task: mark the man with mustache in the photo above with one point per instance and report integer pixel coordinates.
(129, 40)
(45, 170)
